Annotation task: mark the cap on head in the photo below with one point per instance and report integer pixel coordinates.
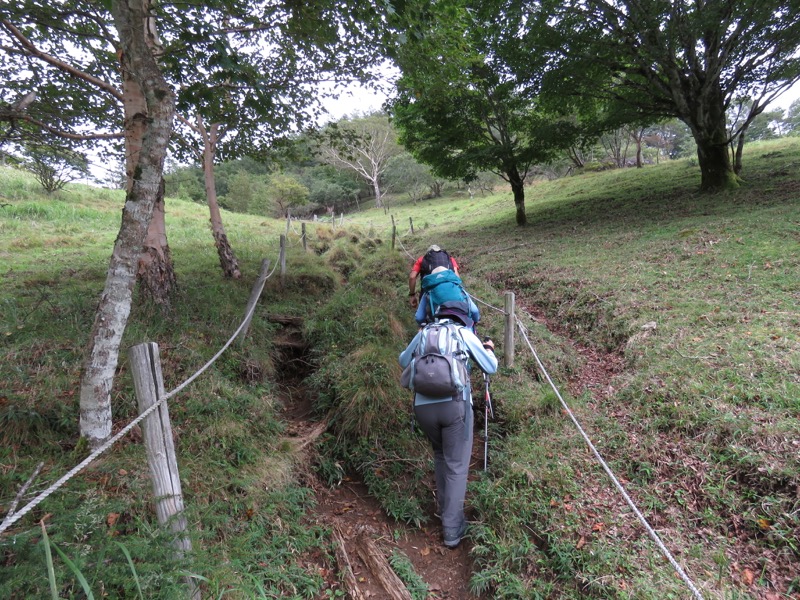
(455, 310)
(434, 248)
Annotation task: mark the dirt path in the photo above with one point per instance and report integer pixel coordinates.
(351, 510)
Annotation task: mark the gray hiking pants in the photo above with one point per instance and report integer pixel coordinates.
(448, 426)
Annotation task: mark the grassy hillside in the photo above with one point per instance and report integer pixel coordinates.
(698, 296)
(668, 319)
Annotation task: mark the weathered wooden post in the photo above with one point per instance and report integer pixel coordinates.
(508, 341)
(394, 234)
(303, 235)
(283, 260)
(411, 223)
(341, 219)
(392, 220)
(288, 220)
(258, 286)
(148, 383)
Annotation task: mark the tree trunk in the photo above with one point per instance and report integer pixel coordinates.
(518, 187)
(102, 354)
(638, 135)
(156, 272)
(737, 157)
(378, 198)
(708, 124)
(227, 258)
(716, 172)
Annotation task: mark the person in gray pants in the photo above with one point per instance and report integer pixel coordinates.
(447, 422)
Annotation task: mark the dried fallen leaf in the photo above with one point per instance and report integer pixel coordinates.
(598, 526)
(763, 524)
(112, 519)
(122, 472)
(748, 577)
(425, 551)
(581, 543)
(553, 503)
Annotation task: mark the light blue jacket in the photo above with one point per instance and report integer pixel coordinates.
(485, 359)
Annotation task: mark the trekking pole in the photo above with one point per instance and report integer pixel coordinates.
(487, 412)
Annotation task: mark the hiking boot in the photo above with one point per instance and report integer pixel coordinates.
(453, 535)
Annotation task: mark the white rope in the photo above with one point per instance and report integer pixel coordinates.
(404, 249)
(479, 301)
(113, 440)
(610, 473)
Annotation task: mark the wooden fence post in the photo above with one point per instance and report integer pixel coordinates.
(392, 221)
(394, 233)
(303, 235)
(283, 260)
(258, 286)
(157, 433)
(508, 341)
(288, 220)
(411, 223)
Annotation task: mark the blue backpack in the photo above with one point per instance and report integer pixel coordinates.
(441, 287)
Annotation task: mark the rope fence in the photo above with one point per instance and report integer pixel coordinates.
(650, 531)
(13, 517)
(512, 322)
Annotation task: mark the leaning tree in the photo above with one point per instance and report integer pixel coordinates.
(100, 70)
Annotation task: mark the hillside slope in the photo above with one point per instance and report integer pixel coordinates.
(667, 319)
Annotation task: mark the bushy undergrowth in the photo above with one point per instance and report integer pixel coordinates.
(356, 339)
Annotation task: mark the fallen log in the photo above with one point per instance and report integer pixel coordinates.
(345, 566)
(379, 567)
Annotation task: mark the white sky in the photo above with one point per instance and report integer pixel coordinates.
(786, 99)
(358, 99)
(355, 99)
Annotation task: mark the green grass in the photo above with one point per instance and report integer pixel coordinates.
(701, 424)
(248, 509)
(701, 421)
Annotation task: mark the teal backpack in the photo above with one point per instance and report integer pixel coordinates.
(441, 287)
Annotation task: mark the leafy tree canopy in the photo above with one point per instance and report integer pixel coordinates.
(254, 66)
(461, 105)
(655, 59)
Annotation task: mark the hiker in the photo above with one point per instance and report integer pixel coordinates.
(424, 265)
(435, 366)
(443, 285)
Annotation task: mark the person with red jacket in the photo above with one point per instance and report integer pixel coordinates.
(424, 265)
